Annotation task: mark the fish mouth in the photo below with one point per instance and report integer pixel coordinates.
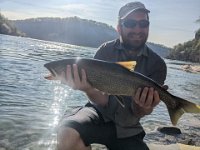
(51, 75)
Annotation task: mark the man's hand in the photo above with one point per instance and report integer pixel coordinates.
(79, 82)
(145, 100)
(76, 82)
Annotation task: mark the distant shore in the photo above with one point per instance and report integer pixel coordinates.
(191, 68)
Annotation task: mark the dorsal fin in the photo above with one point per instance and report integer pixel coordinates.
(130, 65)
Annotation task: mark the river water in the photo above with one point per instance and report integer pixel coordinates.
(30, 106)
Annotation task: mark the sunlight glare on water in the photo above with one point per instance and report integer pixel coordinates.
(60, 94)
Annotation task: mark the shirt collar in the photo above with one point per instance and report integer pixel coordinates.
(143, 51)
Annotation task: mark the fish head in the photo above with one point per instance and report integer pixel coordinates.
(55, 72)
(57, 68)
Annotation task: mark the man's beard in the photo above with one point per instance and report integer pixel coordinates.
(133, 44)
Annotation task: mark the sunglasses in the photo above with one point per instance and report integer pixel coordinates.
(133, 23)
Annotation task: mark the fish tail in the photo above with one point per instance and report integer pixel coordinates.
(182, 106)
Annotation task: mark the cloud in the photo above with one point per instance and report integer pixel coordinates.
(73, 9)
(17, 15)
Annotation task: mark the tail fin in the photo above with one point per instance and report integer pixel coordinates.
(182, 106)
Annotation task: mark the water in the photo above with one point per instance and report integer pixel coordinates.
(30, 106)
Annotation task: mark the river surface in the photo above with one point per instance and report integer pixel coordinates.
(30, 106)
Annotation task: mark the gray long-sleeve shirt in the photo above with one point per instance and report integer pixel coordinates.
(149, 64)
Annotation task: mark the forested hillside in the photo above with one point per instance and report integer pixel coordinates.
(188, 51)
(6, 27)
(71, 30)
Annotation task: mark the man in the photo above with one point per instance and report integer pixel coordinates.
(107, 119)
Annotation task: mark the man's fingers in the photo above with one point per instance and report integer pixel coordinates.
(76, 74)
(68, 73)
(150, 97)
(143, 96)
(147, 97)
(75, 80)
(156, 98)
(84, 77)
(137, 96)
(69, 77)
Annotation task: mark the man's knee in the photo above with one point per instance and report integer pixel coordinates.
(66, 134)
(68, 139)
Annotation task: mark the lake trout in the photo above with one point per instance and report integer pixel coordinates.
(121, 79)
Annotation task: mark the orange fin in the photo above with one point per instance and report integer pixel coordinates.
(130, 65)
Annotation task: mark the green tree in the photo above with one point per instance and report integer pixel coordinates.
(188, 51)
(6, 27)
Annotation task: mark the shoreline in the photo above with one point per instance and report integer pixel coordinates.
(177, 146)
(158, 140)
(191, 68)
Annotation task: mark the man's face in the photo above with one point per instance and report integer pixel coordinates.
(134, 36)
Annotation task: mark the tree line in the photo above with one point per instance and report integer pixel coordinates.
(6, 27)
(188, 51)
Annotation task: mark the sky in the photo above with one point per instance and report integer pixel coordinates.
(171, 21)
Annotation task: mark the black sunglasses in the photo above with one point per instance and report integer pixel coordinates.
(133, 23)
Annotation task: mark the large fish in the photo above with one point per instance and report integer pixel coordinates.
(118, 79)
